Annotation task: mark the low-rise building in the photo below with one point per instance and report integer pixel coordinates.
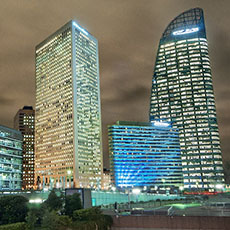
(145, 155)
(10, 159)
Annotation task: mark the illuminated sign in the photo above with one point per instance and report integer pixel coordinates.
(186, 31)
(81, 29)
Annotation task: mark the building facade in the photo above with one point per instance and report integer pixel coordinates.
(24, 121)
(182, 93)
(68, 151)
(144, 155)
(106, 179)
(10, 159)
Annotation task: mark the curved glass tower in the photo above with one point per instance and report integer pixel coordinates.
(182, 93)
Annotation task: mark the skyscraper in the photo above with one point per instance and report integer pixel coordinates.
(182, 92)
(68, 151)
(24, 122)
(10, 159)
(145, 155)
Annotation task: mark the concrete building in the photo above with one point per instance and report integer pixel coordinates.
(68, 151)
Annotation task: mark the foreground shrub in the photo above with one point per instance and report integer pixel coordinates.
(16, 226)
(91, 218)
(52, 221)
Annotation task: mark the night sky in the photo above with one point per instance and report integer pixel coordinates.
(128, 32)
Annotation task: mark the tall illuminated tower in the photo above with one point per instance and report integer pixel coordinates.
(182, 93)
(68, 150)
(24, 122)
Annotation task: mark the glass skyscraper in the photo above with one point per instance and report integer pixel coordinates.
(68, 150)
(145, 155)
(24, 122)
(182, 93)
(10, 159)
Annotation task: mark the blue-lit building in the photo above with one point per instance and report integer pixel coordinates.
(144, 155)
(182, 93)
(10, 159)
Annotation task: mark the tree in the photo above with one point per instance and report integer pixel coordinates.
(31, 219)
(49, 221)
(72, 203)
(13, 209)
(53, 202)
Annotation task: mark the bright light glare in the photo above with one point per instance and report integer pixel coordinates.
(35, 201)
(181, 188)
(81, 29)
(162, 124)
(136, 191)
(69, 172)
(219, 186)
(186, 31)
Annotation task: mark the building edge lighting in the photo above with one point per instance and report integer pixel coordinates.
(80, 28)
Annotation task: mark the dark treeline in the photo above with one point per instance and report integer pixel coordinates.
(56, 213)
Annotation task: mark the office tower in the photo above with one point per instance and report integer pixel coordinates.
(68, 149)
(10, 159)
(182, 93)
(24, 122)
(145, 155)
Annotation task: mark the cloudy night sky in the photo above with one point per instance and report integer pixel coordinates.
(128, 32)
